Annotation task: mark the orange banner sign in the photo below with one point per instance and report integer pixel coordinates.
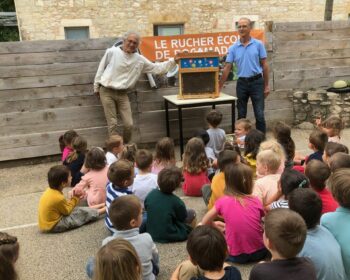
(159, 48)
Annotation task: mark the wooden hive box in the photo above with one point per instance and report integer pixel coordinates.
(198, 75)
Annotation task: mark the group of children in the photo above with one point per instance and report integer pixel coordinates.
(264, 201)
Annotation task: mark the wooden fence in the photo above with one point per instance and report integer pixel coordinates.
(46, 88)
(310, 55)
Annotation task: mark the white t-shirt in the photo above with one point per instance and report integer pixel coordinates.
(111, 158)
(217, 138)
(210, 153)
(143, 184)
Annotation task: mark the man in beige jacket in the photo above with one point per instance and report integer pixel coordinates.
(117, 74)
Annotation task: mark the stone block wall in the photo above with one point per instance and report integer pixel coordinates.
(312, 104)
(46, 19)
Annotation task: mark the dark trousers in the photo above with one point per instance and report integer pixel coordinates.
(255, 90)
(246, 258)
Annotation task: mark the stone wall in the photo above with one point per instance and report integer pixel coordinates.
(312, 104)
(46, 19)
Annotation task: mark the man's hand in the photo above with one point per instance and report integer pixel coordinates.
(97, 94)
(266, 91)
(224, 75)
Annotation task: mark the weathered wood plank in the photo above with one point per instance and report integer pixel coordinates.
(37, 104)
(310, 64)
(28, 146)
(47, 81)
(271, 103)
(92, 134)
(312, 73)
(56, 45)
(45, 120)
(50, 57)
(152, 135)
(321, 54)
(48, 69)
(317, 25)
(46, 92)
(311, 35)
(308, 83)
(311, 45)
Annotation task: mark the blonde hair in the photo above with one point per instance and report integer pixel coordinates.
(271, 159)
(117, 260)
(247, 124)
(195, 159)
(274, 146)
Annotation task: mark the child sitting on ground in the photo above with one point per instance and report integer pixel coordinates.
(339, 160)
(267, 164)
(126, 216)
(203, 134)
(290, 180)
(242, 213)
(217, 136)
(318, 173)
(168, 220)
(129, 153)
(66, 141)
(242, 128)
(251, 147)
(331, 148)
(217, 187)
(56, 214)
(277, 148)
(114, 147)
(117, 260)
(92, 186)
(145, 181)
(320, 245)
(338, 222)
(282, 132)
(317, 143)
(195, 166)
(332, 126)
(121, 177)
(284, 236)
(207, 249)
(9, 251)
(164, 155)
(75, 160)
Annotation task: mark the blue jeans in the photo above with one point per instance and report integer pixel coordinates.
(90, 266)
(254, 90)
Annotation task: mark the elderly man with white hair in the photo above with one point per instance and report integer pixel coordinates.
(117, 74)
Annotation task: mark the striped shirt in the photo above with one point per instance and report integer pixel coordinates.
(113, 192)
(280, 204)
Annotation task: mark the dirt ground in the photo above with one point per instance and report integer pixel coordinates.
(63, 256)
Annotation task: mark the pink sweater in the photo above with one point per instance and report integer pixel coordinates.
(244, 232)
(92, 186)
(266, 187)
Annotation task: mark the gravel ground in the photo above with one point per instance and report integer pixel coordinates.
(63, 256)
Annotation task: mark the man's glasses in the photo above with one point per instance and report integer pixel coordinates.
(242, 26)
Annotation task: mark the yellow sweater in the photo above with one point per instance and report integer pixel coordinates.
(52, 206)
(252, 163)
(217, 188)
